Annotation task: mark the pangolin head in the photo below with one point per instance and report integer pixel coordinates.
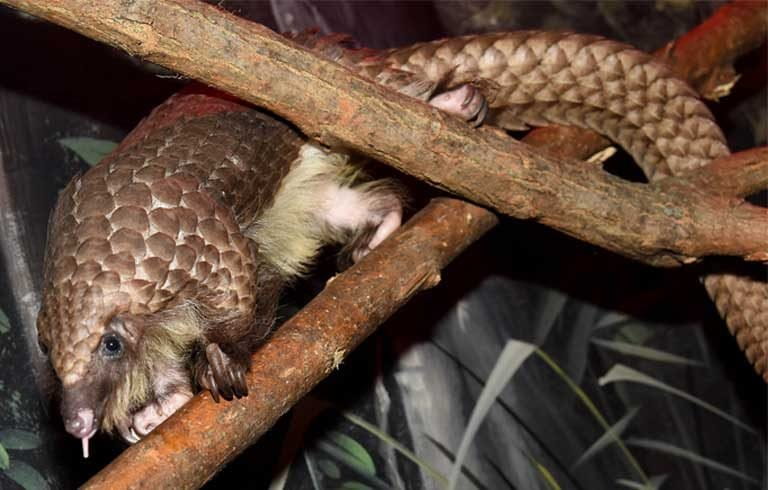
(133, 246)
(96, 299)
(147, 244)
(93, 342)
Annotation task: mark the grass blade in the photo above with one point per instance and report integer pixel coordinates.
(593, 410)
(5, 324)
(19, 439)
(612, 434)
(26, 476)
(645, 352)
(5, 460)
(351, 461)
(546, 475)
(620, 372)
(356, 453)
(364, 424)
(666, 448)
(654, 483)
(512, 356)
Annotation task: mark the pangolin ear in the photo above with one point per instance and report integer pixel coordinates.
(128, 327)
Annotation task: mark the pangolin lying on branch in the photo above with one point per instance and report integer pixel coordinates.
(165, 261)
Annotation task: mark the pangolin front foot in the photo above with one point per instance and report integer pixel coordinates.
(223, 374)
(148, 418)
(465, 101)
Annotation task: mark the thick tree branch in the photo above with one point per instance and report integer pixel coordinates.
(659, 226)
(738, 175)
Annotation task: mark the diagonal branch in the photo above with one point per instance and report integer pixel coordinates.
(661, 226)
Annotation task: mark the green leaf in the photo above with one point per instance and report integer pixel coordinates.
(654, 483)
(364, 424)
(613, 319)
(26, 476)
(5, 324)
(91, 150)
(358, 454)
(665, 447)
(19, 439)
(620, 372)
(329, 468)
(611, 435)
(354, 485)
(352, 462)
(645, 352)
(5, 460)
(512, 356)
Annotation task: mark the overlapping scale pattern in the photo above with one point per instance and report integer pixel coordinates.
(159, 222)
(162, 216)
(576, 79)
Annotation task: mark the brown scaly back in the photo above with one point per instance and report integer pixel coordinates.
(158, 223)
(542, 78)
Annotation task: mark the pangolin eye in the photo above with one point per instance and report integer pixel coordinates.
(111, 346)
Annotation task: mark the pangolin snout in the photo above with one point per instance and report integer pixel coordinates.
(81, 423)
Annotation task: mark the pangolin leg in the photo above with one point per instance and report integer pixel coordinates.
(369, 213)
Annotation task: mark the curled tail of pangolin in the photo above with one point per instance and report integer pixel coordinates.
(742, 301)
(542, 78)
(538, 78)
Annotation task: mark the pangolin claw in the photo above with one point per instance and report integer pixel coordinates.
(477, 105)
(223, 376)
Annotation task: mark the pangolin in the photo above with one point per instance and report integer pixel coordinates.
(166, 260)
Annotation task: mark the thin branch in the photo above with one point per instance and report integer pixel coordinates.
(705, 55)
(658, 226)
(738, 175)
